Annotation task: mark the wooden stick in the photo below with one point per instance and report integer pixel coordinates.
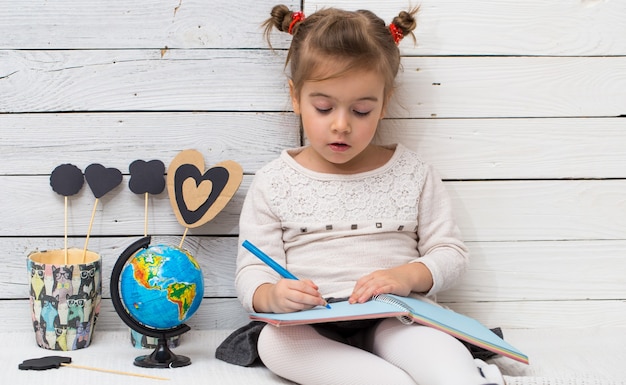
(93, 214)
(114, 371)
(180, 246)
(145, 216)
(65, 230)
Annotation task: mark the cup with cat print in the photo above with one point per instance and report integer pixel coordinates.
(65, 293)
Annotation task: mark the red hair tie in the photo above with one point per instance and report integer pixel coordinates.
(396, 33)
(295, 18)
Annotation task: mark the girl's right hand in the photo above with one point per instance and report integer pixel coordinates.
(286, 296)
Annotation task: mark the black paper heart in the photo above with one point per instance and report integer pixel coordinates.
(66, 179)
(147, 177)
(218, 176)
(101, 180)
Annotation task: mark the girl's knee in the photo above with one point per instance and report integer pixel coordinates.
(277, 343)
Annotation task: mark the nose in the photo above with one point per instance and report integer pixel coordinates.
(341, 123)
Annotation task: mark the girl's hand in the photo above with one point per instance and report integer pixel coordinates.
(287, 295)
(401, 280)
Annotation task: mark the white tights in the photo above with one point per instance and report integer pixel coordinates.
(400, 355)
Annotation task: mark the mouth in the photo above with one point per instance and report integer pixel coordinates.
(339, 146)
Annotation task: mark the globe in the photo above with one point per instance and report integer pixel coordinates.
(161, 286)
(155, 290)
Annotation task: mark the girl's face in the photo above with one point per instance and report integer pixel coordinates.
(340, 117)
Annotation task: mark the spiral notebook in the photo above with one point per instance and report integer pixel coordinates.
(408, 310)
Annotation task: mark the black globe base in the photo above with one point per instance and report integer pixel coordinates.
(162, 357)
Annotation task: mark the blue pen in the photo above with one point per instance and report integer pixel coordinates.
(270, 262)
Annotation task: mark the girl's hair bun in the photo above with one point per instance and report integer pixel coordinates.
(404, 23)
(283, 19)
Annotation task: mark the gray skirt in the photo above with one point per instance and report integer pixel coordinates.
(240, 347)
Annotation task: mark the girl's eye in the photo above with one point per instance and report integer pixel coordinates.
(323, 111)
(361, 113)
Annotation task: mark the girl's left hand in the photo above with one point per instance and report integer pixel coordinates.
(401, 280)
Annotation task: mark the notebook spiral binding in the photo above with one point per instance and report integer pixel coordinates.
(396, 302)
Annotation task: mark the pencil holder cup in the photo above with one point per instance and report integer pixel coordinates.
(65, 294)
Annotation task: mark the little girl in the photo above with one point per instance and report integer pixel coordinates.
(351, 218)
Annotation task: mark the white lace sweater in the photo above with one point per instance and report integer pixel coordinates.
(333, 229)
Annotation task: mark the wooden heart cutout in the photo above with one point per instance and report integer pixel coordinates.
(194, 195)
(197, 196)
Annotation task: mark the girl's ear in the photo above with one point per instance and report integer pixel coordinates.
(295, 101)
(385, 104)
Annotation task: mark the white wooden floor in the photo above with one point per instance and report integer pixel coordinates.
(556, 359)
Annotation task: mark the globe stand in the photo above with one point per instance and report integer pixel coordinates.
(162, 356)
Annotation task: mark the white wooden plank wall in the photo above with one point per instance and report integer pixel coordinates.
(520, 105)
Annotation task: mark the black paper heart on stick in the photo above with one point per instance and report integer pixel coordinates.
(147, 177)
(101, 180)
(66, 179)
(197, 196)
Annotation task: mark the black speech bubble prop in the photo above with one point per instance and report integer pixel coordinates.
(147, 177)
(66, 179)
(44, 363)
(101, 180)
(55, 362)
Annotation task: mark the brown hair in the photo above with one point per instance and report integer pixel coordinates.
(340, 41)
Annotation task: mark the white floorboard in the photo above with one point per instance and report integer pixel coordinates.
(558, 357)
